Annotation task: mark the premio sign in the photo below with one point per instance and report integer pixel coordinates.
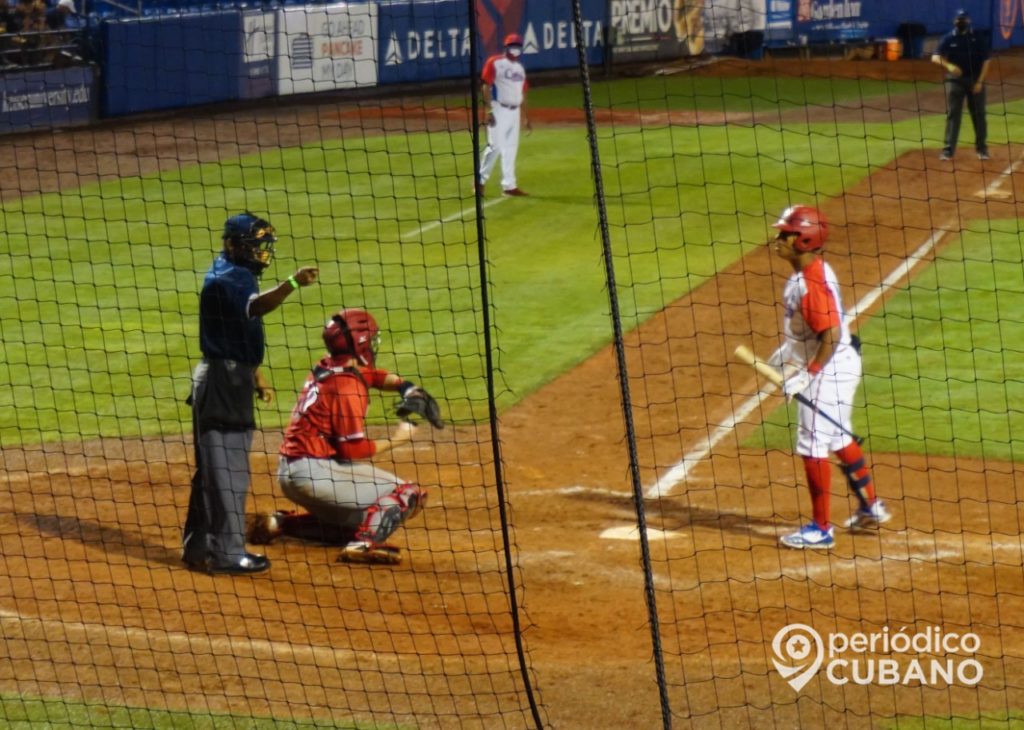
(888, 657)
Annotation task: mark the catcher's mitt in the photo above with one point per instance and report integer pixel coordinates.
(420, 402)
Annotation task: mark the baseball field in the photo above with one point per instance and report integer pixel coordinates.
(107, 232)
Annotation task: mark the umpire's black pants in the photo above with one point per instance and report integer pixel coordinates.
(222, 415)
(957, 90)
(215, 524)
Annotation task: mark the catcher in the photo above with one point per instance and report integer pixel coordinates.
(325, 454)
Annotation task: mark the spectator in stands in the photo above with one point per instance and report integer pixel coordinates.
(8, 20)
(965, 56)
(57, 17)
(8, 27)
(31, 15)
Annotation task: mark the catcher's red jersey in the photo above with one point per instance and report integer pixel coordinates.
(329, 419)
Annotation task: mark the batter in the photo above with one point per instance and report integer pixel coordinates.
(821, 359)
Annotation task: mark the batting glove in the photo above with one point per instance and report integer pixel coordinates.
(796, 383)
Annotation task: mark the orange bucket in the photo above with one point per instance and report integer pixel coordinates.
(893, 49)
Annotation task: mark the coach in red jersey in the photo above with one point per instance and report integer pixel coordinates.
(324, 463)
(504, 99)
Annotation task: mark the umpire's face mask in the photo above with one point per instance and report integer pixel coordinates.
(962, 25)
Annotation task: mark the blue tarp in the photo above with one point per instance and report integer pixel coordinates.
(171, 61)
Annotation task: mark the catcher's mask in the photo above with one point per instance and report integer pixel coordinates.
(808, 224)
(252, 241)
(353, 332)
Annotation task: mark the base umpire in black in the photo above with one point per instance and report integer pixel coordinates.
(965, 56)
(224, 387)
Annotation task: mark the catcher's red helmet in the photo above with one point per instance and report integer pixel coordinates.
(809, 224)
(513, 39)
(353, 332)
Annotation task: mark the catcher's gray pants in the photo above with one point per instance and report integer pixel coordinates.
(215, 527)
(337, 492)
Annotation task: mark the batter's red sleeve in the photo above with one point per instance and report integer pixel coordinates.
(819, 306)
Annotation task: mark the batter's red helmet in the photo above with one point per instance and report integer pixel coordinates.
(809, 224)
(513, 39)
(353, 332)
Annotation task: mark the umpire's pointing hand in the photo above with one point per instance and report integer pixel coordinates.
(307, 275)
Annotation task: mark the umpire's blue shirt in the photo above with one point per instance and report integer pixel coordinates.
(969, 51)
(226, 331)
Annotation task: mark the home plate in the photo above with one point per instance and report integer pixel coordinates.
(632, 533)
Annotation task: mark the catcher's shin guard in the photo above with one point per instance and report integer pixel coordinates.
(382, 518)
(389, 512)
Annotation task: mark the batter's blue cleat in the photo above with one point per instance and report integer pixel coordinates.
(810, 536)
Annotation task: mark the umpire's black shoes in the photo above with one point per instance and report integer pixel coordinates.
(249, 563)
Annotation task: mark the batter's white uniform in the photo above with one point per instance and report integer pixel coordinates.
(813, 304)
(507, 79)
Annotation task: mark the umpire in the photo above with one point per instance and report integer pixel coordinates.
(965, 56)
(224, 387)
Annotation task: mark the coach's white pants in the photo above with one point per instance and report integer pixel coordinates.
(502, 141)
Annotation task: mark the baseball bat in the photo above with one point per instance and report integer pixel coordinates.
(746, 355)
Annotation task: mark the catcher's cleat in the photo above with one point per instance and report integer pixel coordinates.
(810, 536)
(873, 516)
(264, 528)
(372, 553)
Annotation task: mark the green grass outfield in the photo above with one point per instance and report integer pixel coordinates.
(22, 713)
(98, 285)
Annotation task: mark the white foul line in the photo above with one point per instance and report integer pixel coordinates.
(462, 215)
(174, 642)
(678, 473)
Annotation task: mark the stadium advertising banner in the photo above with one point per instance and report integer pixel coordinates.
(1009, 22)
(779, 26)
(664, 29)
(832, 21)
(257, 77)
(44, 99)
(325, 47)
(425, 41)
